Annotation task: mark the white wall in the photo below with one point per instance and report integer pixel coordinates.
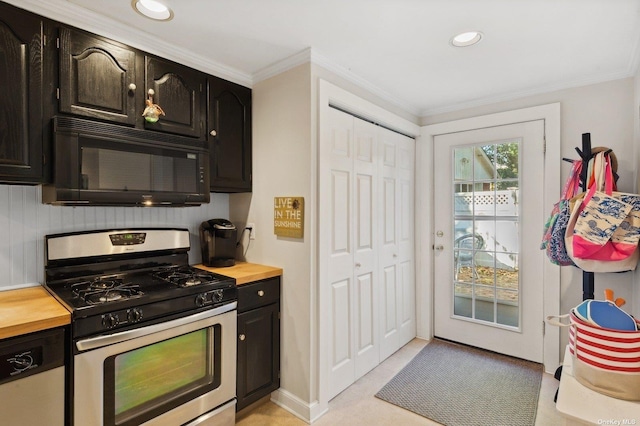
(24, 221)
(285, 120)
(282, 166)
(636, 158)
(606, 111)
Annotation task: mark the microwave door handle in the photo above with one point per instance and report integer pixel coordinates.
(111, 339)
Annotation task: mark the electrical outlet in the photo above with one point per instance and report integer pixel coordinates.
(252, 230)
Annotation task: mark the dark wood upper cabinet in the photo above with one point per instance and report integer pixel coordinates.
(21, 93)
(48, 68)
(229, 135)
(181, 93)
(99, 78)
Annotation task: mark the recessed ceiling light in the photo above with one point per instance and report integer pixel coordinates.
(153, 9)
(468, 38)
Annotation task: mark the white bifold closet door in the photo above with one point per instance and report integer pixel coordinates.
(396, 254)
(369, 257)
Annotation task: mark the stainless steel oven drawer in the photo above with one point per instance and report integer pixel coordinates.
(34, 400)
(32, 377)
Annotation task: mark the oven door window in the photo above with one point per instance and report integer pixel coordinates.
(137, 168)
(146, 382)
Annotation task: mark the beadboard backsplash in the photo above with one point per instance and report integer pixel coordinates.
(24, 221)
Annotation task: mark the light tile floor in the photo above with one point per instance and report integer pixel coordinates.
(357, 405)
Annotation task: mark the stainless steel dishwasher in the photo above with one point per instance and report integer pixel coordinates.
(32, 379)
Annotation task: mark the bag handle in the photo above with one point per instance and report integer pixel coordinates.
(572, 185)
(557, 320)
(603, 177)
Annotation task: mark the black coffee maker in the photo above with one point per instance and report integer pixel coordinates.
(218, 240)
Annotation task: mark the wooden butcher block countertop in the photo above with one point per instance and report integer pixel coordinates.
(31, 309)
(245, 272)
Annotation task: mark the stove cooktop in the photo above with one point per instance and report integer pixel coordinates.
(103, 292)
(101, 304)
(128, 278)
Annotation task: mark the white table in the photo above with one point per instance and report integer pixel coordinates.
(581, 405)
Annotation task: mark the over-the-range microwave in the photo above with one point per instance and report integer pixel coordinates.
(104, 164)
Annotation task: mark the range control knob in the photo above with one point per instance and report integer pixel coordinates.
(134, 315)
(216, 295)
(110, 320)
(201, 300)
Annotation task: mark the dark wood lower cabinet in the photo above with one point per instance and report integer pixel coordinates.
(258, 341)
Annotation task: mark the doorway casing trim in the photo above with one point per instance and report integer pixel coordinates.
(425, 202)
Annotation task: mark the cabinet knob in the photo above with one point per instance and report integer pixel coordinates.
(358, 264)
(213, 133)
(242, 337)
(132, 87)
(260, 293)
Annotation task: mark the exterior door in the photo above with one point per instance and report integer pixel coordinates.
(487, 224)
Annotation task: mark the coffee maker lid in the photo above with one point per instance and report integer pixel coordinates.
(221, 224)
(224, 226)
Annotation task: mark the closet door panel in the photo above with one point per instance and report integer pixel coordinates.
(342, 366)
(406, 246)
(365, 219)
(365, 339)
(340, 213)
(366, 199)
(388, 229)
(389, 312)
(339, 319)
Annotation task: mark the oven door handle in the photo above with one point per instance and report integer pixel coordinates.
(111, 339)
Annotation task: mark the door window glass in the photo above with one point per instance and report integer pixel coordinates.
(486, 232)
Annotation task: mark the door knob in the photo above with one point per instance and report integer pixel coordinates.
(439, 247)
(213, 133)
(242, 337)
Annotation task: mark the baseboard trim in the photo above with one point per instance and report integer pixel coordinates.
(308, 412)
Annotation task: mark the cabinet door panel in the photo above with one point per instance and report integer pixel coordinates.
(179, 91)
(229, 134)
(21, 100)
(258, 354)
(96, 77)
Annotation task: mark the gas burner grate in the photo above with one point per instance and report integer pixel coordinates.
(186, 276)
(105, 290)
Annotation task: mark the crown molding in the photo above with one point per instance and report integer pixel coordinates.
(71, 14)
(302, 57)
(313, 56)
(88, 20)
(510, 96)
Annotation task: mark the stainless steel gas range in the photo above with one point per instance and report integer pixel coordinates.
(152, 339)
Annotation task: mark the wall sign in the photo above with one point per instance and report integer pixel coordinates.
(288, 217)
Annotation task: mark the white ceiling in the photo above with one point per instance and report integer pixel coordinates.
(398, 49)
